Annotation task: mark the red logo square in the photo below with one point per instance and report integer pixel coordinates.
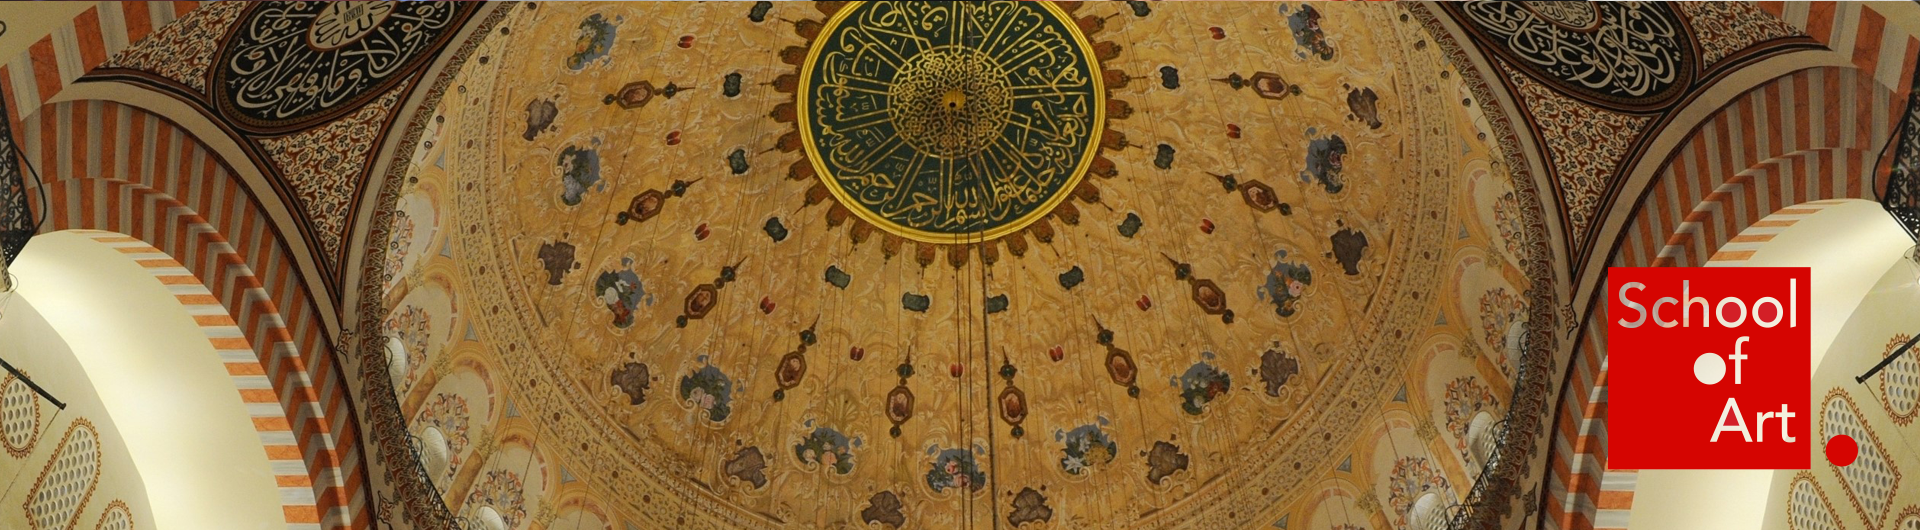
(1709, 368)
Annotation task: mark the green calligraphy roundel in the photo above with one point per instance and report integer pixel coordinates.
(950, 122)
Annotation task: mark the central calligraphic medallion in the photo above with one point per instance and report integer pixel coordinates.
(951, 122)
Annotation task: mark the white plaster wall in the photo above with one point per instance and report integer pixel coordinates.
(161, 384)
(29, 343)
(1853, 249)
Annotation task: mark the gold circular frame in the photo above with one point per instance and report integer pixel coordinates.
(801, 103)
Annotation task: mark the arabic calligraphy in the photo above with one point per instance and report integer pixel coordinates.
(287, 62)
(948, 121)
(1636, 54)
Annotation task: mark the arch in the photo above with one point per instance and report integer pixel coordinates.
(1813, 137)
(223, 332)
(1855, 258)
(74, 47)
(329, 449)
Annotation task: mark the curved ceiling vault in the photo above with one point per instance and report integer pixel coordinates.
(848, 264)
(791, 265)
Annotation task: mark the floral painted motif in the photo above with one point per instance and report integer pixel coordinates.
(1465, 398)
(323, 165)
(1586, 145)
(1286, 283)
(182, 52)
(1499, 309)
(579, 169)
(1326, 155)
(1200, 385)
(410, 326)
(593, 41)
(398, 243)
(1724, 28)
(1085, 447)
(708, 390)
(826, 448)
(449, 414)
(1412, 477)
(1506, 215)
(1276, 368)
(540, 116)
(1305, 24)
(502, 490)
(621, 292)
(954, 468)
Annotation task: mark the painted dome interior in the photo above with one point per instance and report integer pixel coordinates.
(1250, 286)
(741, 264)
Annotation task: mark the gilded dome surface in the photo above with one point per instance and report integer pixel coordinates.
(1258, 271)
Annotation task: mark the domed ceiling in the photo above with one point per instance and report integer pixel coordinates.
(923, 265)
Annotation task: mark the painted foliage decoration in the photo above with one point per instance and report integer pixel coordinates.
(502, 490)
(1466, 397)
(285, 64)
(1319, 237)
(1412, 477)
(448, 413)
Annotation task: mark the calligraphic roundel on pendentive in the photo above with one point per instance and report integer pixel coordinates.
(286, 65)
(951, 122)
(1627, 56)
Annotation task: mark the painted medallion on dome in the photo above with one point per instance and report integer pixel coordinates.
(943, 122)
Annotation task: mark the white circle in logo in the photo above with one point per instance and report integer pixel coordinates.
(1709, 369)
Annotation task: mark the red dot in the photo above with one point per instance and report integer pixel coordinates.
(1767, 312)
(1841, 450)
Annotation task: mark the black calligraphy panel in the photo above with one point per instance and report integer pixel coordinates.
(946, 122)
(1626, 55)
(286, 64)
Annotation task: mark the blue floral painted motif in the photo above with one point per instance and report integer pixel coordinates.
(1201, 384)
(622, 293)
(1305, 24)
(1086, 447)
(828, 448)
(954, 468)
(1325, 157)
(709, 390)
(1286, 283)
(593, 40)
(579, 170)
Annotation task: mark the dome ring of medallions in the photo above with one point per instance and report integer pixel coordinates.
(1089, 133)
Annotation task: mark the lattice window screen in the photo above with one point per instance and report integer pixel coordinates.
(1900, 388)
(117, 517)
(67, 482)
(19, 417)
(1870, 480)
(1807, 508)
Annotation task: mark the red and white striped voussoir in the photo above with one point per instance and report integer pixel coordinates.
(1792, 142)
(264, 404)
(117, 168)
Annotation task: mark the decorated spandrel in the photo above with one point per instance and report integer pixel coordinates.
(951, 122)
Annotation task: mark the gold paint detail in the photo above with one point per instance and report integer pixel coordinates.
(950, 102)
(957, 108)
